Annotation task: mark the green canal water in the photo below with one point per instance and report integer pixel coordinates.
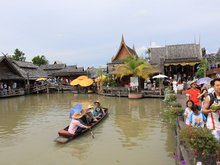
(132, 134)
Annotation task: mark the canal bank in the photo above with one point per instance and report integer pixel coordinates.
(183, 153)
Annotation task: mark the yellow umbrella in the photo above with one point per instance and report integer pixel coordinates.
(41, 79)
(82, 77)
(86, 82)
(75, 82)
(100, 78)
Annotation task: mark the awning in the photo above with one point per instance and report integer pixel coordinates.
(86, 82)
(182, 63)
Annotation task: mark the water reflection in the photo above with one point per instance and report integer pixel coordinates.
(132, 131)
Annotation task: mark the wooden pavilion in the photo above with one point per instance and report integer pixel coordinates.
(12, 82)
(177, 61)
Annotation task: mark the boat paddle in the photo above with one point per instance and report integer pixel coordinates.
(91, 133)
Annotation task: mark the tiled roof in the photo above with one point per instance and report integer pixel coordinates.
(175, 52)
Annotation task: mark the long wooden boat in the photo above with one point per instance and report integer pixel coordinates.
(65, 137)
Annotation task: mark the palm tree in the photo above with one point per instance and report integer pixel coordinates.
(203, 67)
(135, 67)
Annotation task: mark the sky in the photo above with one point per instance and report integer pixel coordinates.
(88, 32)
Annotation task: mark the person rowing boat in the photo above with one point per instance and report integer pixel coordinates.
(76, 126)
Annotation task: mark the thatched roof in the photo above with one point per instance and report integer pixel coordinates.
(53, 66)
(24, 64)
(175, 53)
(50, 69)
(8, 71)
(70, 71)
(29, 70)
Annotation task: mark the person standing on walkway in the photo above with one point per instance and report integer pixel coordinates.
(213, 119)
(193, 93)
(174, 86)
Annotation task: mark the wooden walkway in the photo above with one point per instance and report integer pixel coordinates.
(123, 92)
(12, 92)
(50, 87)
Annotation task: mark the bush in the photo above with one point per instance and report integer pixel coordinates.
(174, 104)
(169, 117)
(201, 140)
(169, 98)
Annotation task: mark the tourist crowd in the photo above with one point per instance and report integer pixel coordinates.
(203, 106)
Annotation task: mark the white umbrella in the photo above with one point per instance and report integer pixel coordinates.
(160, 76)
(204, 80)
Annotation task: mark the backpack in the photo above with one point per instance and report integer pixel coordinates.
(212, 99)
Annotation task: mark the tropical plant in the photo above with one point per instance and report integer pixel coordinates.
(18, 55)
(40, 60)
(200, 140)
(202, 68)
(134, 66)
(99, 71)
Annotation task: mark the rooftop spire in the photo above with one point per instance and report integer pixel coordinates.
(122, 39)
(134, 48)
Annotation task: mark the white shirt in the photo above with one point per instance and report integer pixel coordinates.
(212, 119)
(187, 113)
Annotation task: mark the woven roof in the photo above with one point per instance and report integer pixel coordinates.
(8, 71)
(29, 71)
(70, 71)
(53, 66)
(24, 64)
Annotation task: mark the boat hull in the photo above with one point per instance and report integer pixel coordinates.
(65, 136)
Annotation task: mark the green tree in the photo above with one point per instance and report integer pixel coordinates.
(134, 66)
(203, 67)
(18, 55)
(99, 71)
(40, 60)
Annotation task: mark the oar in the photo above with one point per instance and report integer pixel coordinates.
(90, 129)
(91, 133)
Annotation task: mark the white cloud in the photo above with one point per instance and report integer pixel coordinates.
(78, 32)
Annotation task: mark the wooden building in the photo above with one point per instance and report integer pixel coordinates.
(29, 71)
(214, 65)
(12, 82)
(177, 61)
(8, 72)
(50, 69)
(70, 72)
(123, 52)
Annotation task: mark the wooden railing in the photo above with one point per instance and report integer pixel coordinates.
(39, 88)
(115, 91)
(12, 92)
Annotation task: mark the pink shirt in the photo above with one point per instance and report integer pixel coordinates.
(74, 125)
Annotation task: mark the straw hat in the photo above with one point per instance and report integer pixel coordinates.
(193, 81)
(77, 115)
(97, 101)
(90, 107)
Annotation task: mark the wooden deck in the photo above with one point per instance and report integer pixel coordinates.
(123, 92)
(11, 93)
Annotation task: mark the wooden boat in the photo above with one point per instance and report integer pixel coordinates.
(65, 136)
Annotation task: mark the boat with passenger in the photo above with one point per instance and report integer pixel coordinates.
(65, 136)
